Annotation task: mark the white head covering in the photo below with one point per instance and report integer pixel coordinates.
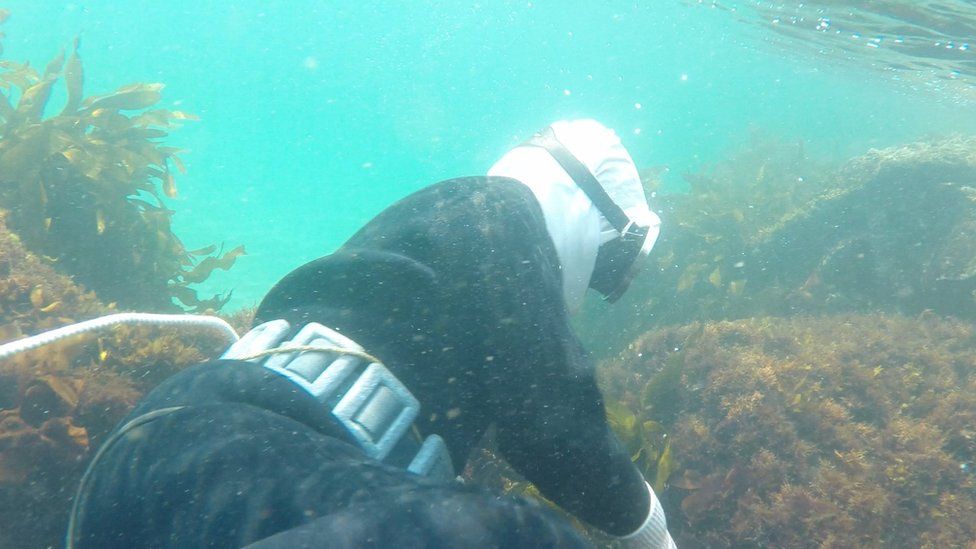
(577, 228)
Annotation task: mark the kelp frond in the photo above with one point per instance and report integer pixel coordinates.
(86, 187)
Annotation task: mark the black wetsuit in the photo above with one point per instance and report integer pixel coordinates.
(457, 288)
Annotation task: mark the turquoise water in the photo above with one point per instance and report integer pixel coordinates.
(316, 115)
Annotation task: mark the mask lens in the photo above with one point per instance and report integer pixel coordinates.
(619, 261)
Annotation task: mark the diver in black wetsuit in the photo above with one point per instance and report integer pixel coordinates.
(444, 315)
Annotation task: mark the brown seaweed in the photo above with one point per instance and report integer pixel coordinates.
(59, 402)
(85, 187)
(840, 431)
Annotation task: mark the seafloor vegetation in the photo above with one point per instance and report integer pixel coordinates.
(83, 186)
(804, 371)
(83, 232)
(823, 431)
(772, 231)
(799, 367)
(57, 403)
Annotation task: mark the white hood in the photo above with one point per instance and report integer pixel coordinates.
(577, 228)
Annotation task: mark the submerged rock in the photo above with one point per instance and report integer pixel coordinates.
(58, 403)
(771, 232)
(898, 234)
(834, 431)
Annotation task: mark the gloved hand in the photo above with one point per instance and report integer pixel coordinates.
(653, 534)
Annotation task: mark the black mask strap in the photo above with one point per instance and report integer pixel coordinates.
(583, 178)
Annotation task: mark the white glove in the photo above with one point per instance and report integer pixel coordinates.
(653, 534)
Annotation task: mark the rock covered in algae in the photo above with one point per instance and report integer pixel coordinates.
(58, 403)
(33, 296)
(835, 431)
(897, 233)
(772, 231)
(82, 206)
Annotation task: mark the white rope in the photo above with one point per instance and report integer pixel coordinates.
(211, 323)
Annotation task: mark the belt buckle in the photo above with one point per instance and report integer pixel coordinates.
(377, 410)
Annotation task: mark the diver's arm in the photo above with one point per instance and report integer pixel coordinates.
(552, 424)
(551, 420)
(581, 469)
(570, 454)
(561, 442)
